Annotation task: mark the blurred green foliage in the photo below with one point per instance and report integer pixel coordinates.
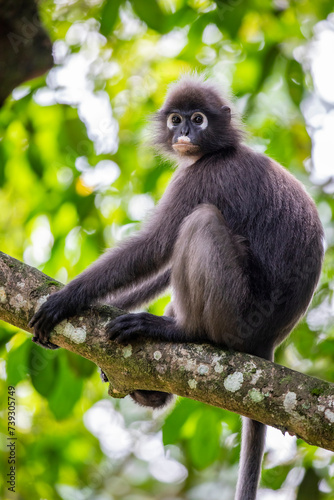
(59, 212)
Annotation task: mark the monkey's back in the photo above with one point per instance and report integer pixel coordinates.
(281, 230)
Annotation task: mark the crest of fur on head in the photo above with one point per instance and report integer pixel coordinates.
(195, 92)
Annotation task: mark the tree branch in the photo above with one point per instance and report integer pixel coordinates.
(25, 46)
(245, 384)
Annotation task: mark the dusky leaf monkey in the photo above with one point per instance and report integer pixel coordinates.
(235, 235)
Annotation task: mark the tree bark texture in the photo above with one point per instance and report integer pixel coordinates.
(25, 46)
(245, 384)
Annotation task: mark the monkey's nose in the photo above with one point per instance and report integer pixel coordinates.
(182, 139)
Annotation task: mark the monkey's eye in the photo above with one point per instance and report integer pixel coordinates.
(200, 119)
(173, 120)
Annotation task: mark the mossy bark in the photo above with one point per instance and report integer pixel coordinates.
(245, 384)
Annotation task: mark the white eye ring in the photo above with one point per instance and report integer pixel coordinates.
(204, 124)
(170, 123)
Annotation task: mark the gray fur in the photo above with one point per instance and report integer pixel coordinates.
(237, 235)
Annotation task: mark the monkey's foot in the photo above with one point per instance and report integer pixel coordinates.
(125, 328)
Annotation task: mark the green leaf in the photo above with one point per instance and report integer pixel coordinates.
(67, 390)
(43, 368)
(270, 57)
(109, 16)
(204, 446)
(181, 17)
(17, 363)
(295, 79)
(172, 429)
(6, 333)
(80, 366)
(309, 486)
(150, 12)
(275, 477)
(195, 35)
(326, 348)
(229, 17)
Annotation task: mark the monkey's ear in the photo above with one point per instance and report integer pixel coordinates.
(226, 110)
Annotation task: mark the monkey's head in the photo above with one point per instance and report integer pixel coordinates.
(195, 120)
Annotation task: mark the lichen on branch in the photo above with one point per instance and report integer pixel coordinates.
(245, 384)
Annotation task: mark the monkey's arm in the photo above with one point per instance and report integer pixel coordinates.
(140, 257)
(137, 258)
(143, 293)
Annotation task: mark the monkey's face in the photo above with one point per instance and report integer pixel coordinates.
(195, 120)
(185, 131)
(195, 132)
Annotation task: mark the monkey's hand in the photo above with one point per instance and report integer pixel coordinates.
(126, 327)
(55, 309)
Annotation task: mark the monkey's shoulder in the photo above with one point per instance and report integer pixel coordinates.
(244, 185)
(261, 177)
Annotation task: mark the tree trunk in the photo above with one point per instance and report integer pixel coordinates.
(25, 47)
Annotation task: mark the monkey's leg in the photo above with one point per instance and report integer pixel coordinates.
(129, 326)
(208, 278)
(142, 293)
(209, 285)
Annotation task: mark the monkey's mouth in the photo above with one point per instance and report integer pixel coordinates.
(184, 146)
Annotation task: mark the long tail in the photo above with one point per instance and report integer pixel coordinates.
(252, 447)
